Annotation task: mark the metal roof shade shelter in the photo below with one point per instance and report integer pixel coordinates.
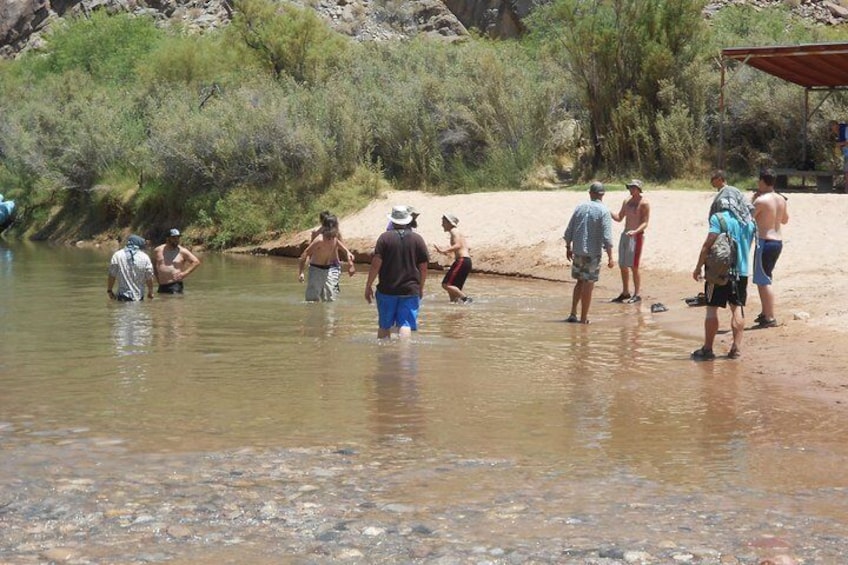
(814, 66)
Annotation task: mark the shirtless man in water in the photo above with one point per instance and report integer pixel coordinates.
(324, 266)
(770, 212)
(172, 263)
(636, 212)
(454, 280)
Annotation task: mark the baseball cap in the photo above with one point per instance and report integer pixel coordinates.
(174, 232)
(597, 188)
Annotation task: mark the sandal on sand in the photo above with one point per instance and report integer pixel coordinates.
(734, 353)
(658, 307)
(572, 319)
(634, 299)
(621, 298)
(767, 323)
(699, 300)
(703, 354)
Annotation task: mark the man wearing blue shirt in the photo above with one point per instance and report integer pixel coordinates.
(735, 292)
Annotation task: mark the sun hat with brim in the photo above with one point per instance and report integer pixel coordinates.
(400, 216)
(452, 220)
(634, 183)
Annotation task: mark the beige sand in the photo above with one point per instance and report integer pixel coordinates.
(520, 233)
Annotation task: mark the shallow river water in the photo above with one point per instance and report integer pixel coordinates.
(239, 424)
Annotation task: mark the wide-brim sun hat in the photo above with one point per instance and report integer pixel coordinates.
(634, 183)
(452, 220)
(400, 216)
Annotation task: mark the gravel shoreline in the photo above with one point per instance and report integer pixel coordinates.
(81, 501)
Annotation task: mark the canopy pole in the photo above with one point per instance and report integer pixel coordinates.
(721, 118)
(806, 121)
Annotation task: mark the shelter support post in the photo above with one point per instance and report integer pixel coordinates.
(721, 120)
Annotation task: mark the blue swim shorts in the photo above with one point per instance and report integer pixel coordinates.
(398, 311)
(765, 258)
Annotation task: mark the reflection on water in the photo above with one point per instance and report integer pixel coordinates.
(132, 334)
(241, 361)
(132, 329)
(397, 413)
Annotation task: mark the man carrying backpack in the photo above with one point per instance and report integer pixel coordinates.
(733, 286)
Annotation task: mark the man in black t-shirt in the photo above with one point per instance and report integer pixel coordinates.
(400, 262)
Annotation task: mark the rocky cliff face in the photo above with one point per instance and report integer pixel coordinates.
(23, 21)
(19, 19)
(495, 18)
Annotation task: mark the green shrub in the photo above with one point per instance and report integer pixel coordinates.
(439, 111)
(197, 61)
(103, 46)
(351, 193)
(289, 40)
(246, 136)
(241, 216)
(619, 54)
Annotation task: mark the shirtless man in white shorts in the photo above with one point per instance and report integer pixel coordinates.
(322, 254)
(636, 212)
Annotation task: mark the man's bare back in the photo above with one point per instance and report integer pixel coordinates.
(323, 251)
(770, 212)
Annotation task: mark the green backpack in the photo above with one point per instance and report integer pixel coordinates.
(720, 266)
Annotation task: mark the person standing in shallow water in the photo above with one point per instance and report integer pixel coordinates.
(455, 278)
(400, 261)
(322, 254)
(589, 231)
(172, 263)
(319, 232)
(636, 212)
(131, 269)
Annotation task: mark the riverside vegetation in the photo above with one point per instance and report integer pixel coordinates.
(120, 123)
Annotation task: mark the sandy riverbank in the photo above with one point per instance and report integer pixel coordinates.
(520, 233)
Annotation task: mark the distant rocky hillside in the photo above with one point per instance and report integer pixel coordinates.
(22, 22)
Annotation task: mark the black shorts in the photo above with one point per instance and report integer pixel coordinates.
(458, 272)
(735, 292)
(171, 288)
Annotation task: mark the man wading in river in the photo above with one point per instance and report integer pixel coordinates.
(400, 260)
(131, 268)
(173, 263)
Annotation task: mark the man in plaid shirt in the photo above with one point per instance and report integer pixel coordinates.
(588, 233)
